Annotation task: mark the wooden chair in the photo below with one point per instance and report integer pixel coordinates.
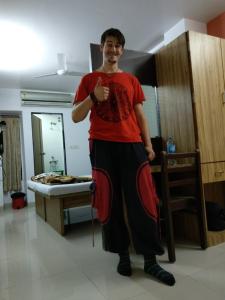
(182, 191)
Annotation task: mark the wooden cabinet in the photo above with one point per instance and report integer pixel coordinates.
(223, 60)
(40, 206)
(213, 172)
(191, 72)
(208, 89)
(191, 85)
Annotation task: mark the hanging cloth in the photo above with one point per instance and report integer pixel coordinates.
(12, 164)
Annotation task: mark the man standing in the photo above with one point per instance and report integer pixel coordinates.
(120, 147)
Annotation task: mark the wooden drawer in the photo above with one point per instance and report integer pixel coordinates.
(213, 172)
(76, 200)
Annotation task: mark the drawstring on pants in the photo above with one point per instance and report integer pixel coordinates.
(92, 189)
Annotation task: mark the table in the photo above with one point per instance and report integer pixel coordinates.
(52, 200)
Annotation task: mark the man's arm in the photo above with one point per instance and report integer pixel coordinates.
(99, 94)
(145, 132)
(81, 110)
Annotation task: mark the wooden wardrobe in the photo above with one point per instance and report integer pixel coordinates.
(191, 95)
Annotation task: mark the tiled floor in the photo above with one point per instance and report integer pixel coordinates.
(38, 264)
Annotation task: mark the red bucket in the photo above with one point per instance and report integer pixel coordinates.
(18, 200)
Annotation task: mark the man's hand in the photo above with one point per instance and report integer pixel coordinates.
(150, 152)
(101, 92)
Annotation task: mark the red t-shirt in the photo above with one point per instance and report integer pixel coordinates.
(114, 119)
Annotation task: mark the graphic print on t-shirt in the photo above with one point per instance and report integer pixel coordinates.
(117, 107)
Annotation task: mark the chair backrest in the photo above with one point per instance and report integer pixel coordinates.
(181, 176)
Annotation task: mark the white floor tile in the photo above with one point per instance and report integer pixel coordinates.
(116, 287)
(185, 289)
(213, 277)
(190, 260)
(70, 285)
(36, 263)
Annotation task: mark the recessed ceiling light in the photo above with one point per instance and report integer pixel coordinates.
(20, 48)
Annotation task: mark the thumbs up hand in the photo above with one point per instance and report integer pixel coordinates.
(101, 92)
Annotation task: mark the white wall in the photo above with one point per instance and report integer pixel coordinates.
(150, 109)
(76, 136)
(182, 26)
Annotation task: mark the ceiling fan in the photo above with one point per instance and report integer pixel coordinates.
(62, 68)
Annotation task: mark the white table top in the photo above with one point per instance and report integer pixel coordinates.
(58, 189)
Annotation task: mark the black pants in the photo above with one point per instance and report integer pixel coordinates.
(121, 173)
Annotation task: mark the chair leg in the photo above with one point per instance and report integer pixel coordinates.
(170, 236)
(202, 228)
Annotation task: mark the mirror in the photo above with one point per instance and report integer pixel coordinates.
(48, 143)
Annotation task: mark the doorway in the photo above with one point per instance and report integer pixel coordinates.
(48, 143)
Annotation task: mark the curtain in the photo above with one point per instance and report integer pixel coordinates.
(12, 164)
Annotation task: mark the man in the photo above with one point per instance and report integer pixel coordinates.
(120, 147)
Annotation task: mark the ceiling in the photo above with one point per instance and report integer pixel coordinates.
(69, 27)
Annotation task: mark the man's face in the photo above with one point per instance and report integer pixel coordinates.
(111, 50)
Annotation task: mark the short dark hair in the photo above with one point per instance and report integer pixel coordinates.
(115, 33)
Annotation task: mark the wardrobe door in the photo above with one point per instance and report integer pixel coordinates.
(208, 87)
(174, 94)
(223, 60)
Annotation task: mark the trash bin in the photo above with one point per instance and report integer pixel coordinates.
(18, 200)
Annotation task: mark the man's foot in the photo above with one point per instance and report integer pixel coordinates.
(124, 265)
(152, 268)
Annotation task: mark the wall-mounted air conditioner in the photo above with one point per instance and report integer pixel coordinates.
(46, 98)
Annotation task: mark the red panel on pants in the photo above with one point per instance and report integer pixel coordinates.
(101, 199)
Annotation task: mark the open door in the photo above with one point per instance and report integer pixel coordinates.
(37, 145)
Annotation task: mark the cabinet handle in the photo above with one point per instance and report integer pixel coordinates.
(223, 95)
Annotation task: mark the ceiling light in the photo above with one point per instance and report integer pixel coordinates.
(20, 47)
